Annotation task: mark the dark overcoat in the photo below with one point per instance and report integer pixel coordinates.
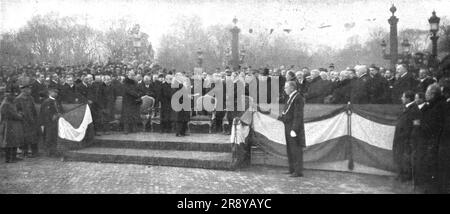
(426, 139)
(165, 99)
(360, 90)
(444, 152)
(402, 144)
(130, 102)
(25, 105)
(402, 84)
(11, 132)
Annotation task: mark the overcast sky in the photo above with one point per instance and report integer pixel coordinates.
(316, 22)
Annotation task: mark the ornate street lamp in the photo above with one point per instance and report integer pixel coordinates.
(434, 28)
(235, 45)
(393, 55)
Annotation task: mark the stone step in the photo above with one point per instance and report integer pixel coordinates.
(194, 159)
(157, 141)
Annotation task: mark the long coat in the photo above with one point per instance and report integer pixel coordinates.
(426, 141)
(130, 102)
(182, 115)
(108, 101)
(378, 88)
(341, 92)
(30, 123)
(444, 152)
(360, 90)
(402, 145)
(318, 90)
(11, 126)
(165, 98)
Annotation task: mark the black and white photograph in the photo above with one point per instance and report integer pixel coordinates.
(224, 97)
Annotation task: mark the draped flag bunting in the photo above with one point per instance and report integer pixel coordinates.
(346, 138)
(73, 125)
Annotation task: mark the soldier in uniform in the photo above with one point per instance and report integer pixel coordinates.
(25, 105)
(50, 111)
(11, 131)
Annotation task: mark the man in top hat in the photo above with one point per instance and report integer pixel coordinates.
(50, 111)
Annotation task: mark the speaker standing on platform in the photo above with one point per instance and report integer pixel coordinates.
(292, 117)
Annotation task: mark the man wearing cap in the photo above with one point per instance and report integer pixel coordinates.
(25, 104)
(50, 111)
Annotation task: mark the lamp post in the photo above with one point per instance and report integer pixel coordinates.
(235, 45)
(200, 57)
(434, 28)
(393, 55)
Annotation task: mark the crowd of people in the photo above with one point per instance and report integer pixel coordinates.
(420, 145)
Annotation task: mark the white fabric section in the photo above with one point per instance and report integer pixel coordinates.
(373, 133)
(239, 133)
(323, 130)
(68, 132)
(271, 128)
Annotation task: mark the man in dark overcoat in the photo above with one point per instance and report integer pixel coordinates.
(292, 118)
(182, 115)
(108, 103)
(402, 146)
(166, 107)
(428, 131)
(360, 89)
(130, 103)
(404, 82)
(444, 143)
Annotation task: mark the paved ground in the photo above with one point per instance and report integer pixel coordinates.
(50, 175)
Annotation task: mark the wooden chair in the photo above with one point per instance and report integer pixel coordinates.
(207, 103)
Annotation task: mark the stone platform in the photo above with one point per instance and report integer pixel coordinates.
(210, 151)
